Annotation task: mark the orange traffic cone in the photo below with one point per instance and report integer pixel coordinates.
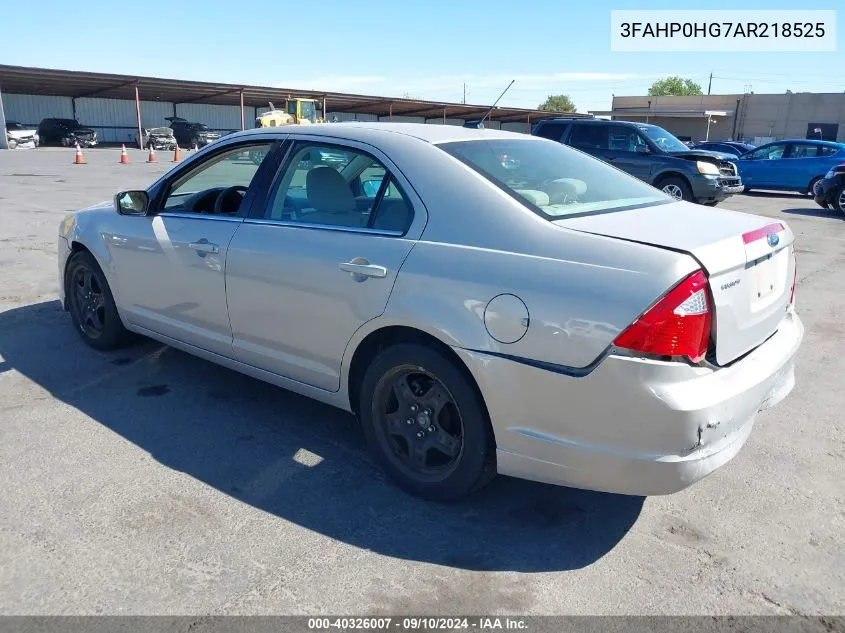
(152, 157)
(124, 159)
(80, 159)
(176, 155)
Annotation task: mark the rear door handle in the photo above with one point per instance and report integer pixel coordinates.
(356, 267)
(204, 247)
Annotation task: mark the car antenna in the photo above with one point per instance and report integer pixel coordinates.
(493, 107)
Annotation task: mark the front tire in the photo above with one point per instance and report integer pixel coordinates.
(425, 423)
(676, 187)
(91, 304)
(813, 185)
(839, 200)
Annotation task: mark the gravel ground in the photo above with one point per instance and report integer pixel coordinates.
(151, 482)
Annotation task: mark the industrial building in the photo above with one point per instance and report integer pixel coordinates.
(119, 107)
(755, 118)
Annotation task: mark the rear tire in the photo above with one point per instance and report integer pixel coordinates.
(91, 304)
(676, 187)
(425, 423)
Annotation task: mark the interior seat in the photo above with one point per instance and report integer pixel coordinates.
(330, 199)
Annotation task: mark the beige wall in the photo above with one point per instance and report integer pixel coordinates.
(759, 115)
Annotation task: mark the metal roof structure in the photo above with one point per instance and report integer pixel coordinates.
(76, 84)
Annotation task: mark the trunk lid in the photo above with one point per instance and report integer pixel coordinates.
(748, 259)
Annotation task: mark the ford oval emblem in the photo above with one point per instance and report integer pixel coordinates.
(773, 239)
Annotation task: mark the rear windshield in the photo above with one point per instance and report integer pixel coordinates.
(553, 180)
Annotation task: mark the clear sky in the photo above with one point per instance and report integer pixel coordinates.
(393, 48)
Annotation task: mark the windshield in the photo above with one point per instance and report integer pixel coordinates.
(202, 127)
(552, 179)
(664, 140)
(11, 125)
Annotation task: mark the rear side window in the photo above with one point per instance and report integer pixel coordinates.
(808, 150)
(589, 137)
(332, 186)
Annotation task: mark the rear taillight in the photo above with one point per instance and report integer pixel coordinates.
(677, 325)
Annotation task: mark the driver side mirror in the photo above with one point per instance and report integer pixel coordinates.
(643, 149)
(132, 202)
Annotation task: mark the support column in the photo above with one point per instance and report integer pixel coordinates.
(138, 116)
(3, 143)
(444, 116)
(325, 114)
(242, 111)
(390, 112)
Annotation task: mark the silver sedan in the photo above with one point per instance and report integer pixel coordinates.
(482, 301)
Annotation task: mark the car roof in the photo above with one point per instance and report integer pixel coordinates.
(364, 131)
(806, 141)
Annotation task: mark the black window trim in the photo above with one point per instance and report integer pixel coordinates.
(289, 149)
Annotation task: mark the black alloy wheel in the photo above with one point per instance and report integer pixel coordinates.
(420, 423)
(91, 304)
(424, 421)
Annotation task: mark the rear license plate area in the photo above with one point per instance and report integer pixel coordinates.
(765, 275)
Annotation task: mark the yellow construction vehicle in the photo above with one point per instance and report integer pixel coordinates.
(295, 112)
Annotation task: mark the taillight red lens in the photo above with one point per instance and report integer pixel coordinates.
(677, 325)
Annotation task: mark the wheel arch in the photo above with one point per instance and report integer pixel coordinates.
(670, 173)
(77, 245)
(388, 335)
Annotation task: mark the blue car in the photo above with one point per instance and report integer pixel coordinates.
(726, 147)
(789, 165)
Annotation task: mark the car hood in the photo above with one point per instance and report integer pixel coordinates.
(702, 154)
(86, 131)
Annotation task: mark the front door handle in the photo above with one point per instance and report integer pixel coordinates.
(362, 268)
(204, 247)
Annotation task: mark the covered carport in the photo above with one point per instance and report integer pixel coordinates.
(109, 98)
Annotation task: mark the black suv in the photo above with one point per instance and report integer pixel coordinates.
(189, 134)
(651, 154)
(65, 132)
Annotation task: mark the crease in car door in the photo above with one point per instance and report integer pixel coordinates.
(298, 291)
(171, 265)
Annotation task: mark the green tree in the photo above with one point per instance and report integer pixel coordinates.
(676, 86)
(558, 103)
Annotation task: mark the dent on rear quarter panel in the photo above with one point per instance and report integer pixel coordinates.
(575, 309)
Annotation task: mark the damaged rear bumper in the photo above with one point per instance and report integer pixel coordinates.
(632, 425)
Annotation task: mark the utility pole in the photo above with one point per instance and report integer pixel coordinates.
(709, 83)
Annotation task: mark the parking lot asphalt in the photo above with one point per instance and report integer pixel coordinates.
(147, 481)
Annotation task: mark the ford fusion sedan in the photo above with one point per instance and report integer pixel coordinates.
(484, 302)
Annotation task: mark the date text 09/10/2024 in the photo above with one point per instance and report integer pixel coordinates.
(481, 624)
